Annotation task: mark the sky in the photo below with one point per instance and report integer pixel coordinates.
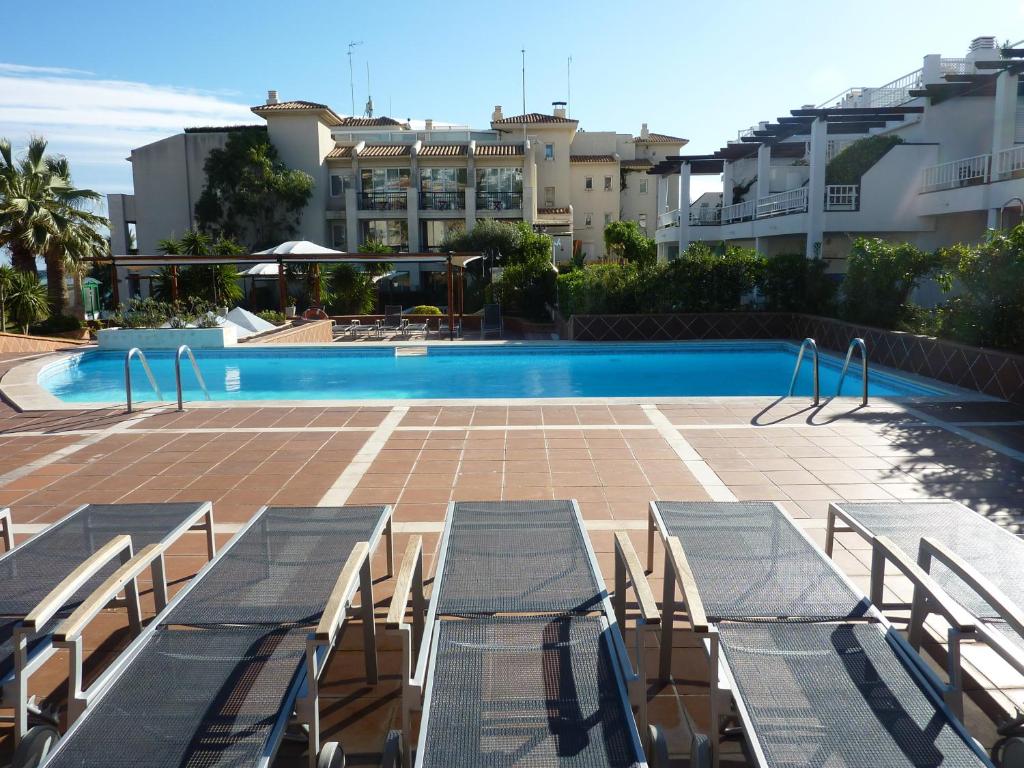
(101, 78)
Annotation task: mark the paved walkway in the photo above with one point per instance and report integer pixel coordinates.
(614, 460)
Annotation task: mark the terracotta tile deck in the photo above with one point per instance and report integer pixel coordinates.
(613, 459)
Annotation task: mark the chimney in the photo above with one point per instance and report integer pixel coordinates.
(429, 124)
(496, 114)
(644, 133)
(558, 108)
(271, 98)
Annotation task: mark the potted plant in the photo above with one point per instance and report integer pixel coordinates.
(289, 311)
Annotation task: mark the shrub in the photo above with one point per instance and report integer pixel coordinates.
(701, 280)
(272, 316)
(352, 291)
(880, 277)
(25, 299)
(602, 289)
(794, 283)
(57, 324)
(625, 240)
(424, 309)
(151, 313)
(526, 288)
(509, 242)
(855, 160)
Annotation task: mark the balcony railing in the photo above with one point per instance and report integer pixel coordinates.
(738, 212)
(842, 197)
(1009, 163)
(668, 219)
(705, 217)
(383, 201)
(499, 201)
(958, 173)
(782, 203)
(443, 201)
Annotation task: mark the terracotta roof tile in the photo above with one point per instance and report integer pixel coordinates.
(532, 117)
(368, 122)
(661, 138)
(386, 150)
(499, 150)
(339, 152)
(444, 150)
(592, 158)
(299, 106)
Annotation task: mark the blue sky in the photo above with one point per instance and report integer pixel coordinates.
(100, 78)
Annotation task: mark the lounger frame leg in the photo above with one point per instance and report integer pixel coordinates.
(714, 701)
(389, 536)
(668, 603)
(369, 625)
(6, 529)
(877, 577)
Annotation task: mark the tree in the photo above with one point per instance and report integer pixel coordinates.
(507, 242)
(26, 303)
(43, 213)
(7, 276)
(250, 195)
(217, 283)
(626, 241)
(353, 291)
(880, 277)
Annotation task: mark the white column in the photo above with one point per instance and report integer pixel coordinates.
(471, 187)
(352, 211)
(413, 200)
(993, 218)
(1005, 116)
(764, 170)
(684, 206)
(662, 194)
(727, 183)
(816, 188)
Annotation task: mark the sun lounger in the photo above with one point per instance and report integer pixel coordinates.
(815, 674)
(44, 579)
(419, 327)
(521, 659)
(444, 329)
(393, 321)
(491, 322)
(357, 329)
(976, 562)
(215, 679)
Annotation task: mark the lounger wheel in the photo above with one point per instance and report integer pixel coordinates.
(700, 751)
(1009, 752)
(393, 748)
(35, 746)
(658, 757)
(331, 756)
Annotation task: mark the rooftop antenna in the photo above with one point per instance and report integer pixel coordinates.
(568, 87)
(523, 51)
(351, 78)
(369, 98)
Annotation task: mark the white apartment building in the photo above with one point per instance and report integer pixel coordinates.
(958, 171)
(408, 184)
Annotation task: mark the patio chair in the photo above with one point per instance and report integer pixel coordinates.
(45, 578)
(814, 672)
(521, 659)
(393, 321)
(216, 678)
(443, 328)
(977, 563)
(410, 328)
(357, 329)
(491, 322)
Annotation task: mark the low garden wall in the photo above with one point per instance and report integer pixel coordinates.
(20, 344)
(991, 372)
(303, 332)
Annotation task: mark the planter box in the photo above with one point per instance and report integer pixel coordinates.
(166, 338)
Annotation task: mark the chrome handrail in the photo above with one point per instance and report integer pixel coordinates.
(185, 348)
(128, 375)
(858, 342)
(796, 370)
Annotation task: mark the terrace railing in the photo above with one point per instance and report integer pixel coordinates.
(706, 217)
(958, 173)
(782, 203)
(499, 201)
(668, 219)
(384, 201)
(443, 201)
(738, 212)
(1009, 163)
(842, 197)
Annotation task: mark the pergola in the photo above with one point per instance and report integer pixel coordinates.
(453, 261)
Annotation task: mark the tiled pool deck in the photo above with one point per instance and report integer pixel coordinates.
(613, 459)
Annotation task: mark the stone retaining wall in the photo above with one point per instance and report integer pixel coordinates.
(303, 332)
(16, 343)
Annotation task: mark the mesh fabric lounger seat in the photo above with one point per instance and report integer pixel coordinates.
(521, 661)
(43, 580)
(817, 676)
(393, 321)
(215, 680)
(491, 321)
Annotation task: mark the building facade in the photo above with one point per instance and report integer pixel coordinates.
(410, 184)
(955, 167)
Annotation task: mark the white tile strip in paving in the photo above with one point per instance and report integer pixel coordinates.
(342, 488)
(712, 483)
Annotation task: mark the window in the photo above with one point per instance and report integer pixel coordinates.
(438, 231)
(442, 179)
(549, 151)
(607, 183)
(339, 236)
(588, 219)
(549, 197)
(643, 186)
(588, 183)
(385, 179)
(607, 219)
(492, 180)
(394, 233)
(641, 219)
(337, 185)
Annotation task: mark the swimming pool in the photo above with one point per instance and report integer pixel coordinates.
(470, 371)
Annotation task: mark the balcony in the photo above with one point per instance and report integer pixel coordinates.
(958, 173)
(706, 217)
(383, 201)
(443, 201)
(1009, 163)
(738, 212)
(782, 203)
(499, 201)
(668, 219)
(842, 197)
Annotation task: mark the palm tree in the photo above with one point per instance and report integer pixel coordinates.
(43, 213)
(26, 302)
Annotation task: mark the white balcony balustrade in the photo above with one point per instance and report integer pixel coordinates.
(782, 203)
(1009, 163)
(706, 217)
(958, 173)
(668, 219)
(842, 197)
(738, 212)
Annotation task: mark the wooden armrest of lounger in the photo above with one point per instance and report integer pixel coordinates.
(644, 596)
(5, 529)
(73, 626)
(119, 546)
(337, 604)
(404, 582)
(686, 582)
(993, 595)
(958, 617)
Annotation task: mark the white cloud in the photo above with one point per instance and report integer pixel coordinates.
(97, 122)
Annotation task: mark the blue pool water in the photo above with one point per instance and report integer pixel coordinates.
(468, 371)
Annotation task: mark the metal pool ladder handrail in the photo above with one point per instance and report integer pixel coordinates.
(858, 342)
(128, 375)
(185, 348)
(796, 369)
